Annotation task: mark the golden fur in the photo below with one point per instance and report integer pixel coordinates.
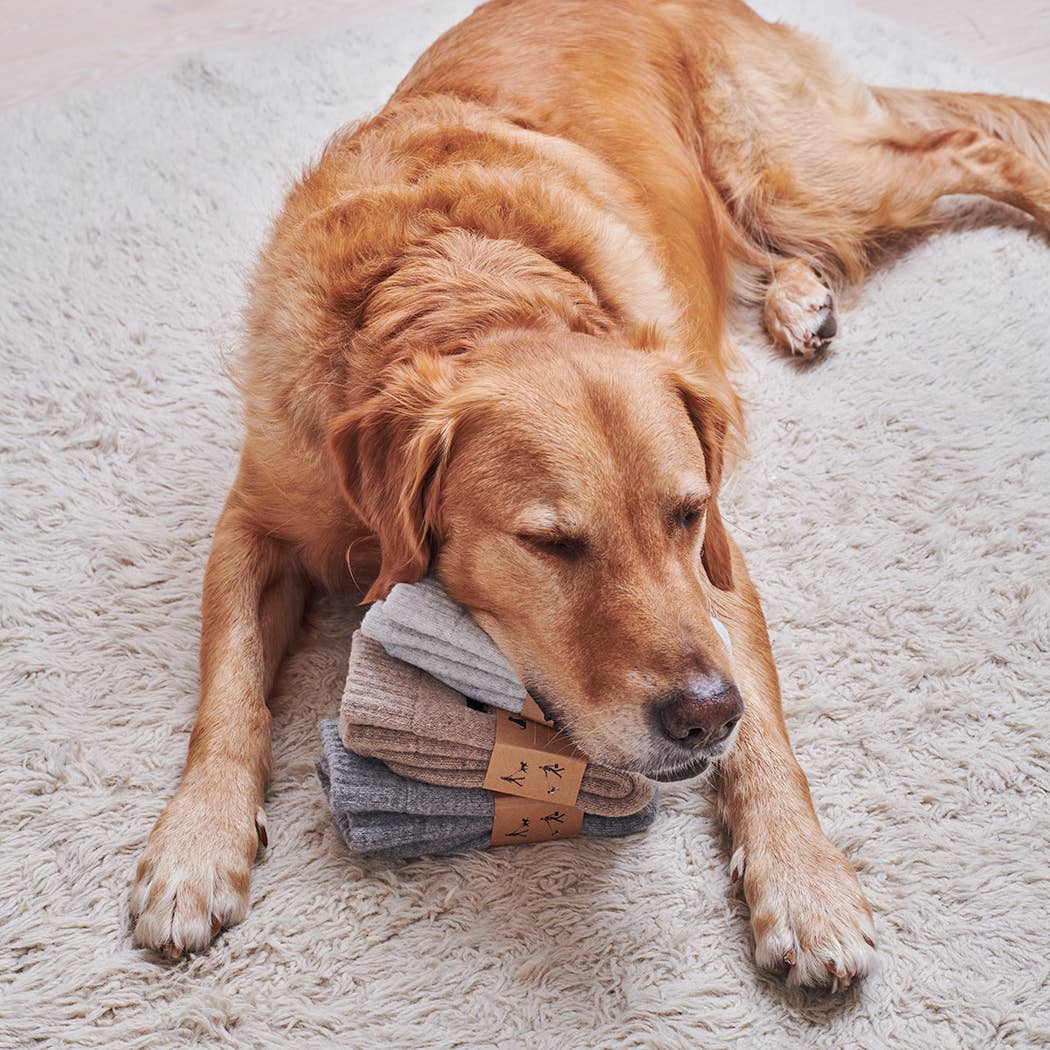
(488, 339)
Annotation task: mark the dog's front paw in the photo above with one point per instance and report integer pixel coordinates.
(808, 913)
(799, 312)
(193, 878)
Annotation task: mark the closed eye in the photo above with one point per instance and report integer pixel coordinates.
(687, 515)
(554, 544)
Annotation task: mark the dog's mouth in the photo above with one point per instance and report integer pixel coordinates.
(665, 775)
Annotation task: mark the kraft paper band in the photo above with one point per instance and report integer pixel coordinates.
(518, 820)
(534, 761)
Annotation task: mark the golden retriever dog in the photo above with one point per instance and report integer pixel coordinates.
(488, 340)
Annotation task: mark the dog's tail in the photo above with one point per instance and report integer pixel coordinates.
(1023, 122)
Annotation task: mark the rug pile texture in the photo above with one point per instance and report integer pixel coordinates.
(894, 508)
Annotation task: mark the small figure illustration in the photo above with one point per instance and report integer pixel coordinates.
(555, 770)
(557, 817)
(522, 831)
(519, 777)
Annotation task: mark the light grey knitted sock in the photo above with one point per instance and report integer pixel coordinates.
(420, 624)
(381, 814)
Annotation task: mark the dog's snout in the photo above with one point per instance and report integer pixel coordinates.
(703, 714)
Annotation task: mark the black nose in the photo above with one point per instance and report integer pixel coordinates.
(703, 714)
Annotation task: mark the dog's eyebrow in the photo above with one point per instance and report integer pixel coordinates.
(692, 490)
(695, 498)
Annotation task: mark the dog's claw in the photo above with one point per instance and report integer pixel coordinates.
(260, 828)
(736, 866)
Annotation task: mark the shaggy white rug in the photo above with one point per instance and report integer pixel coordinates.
(895, 511)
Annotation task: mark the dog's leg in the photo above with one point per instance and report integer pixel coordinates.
(1023, 122)
(193, 877)
(799, 311)
(899, 179)
(808, 912)
(917, 169)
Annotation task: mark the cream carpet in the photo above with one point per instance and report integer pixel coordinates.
(895, 510)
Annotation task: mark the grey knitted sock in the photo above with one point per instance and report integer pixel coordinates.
(381, 814)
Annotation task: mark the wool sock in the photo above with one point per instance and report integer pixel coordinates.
(420, 624)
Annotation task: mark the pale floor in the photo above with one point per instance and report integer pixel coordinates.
(50, 46)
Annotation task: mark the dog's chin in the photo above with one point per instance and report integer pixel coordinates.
(695, 768)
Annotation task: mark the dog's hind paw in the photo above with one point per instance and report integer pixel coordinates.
(799, 311)
(808, 913)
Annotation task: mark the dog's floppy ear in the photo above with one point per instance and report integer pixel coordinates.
(712, 415)
(390, 452)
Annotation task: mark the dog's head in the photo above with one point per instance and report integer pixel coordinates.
(565, 492)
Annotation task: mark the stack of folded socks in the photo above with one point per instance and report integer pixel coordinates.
(382, 814)
(404, 764)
